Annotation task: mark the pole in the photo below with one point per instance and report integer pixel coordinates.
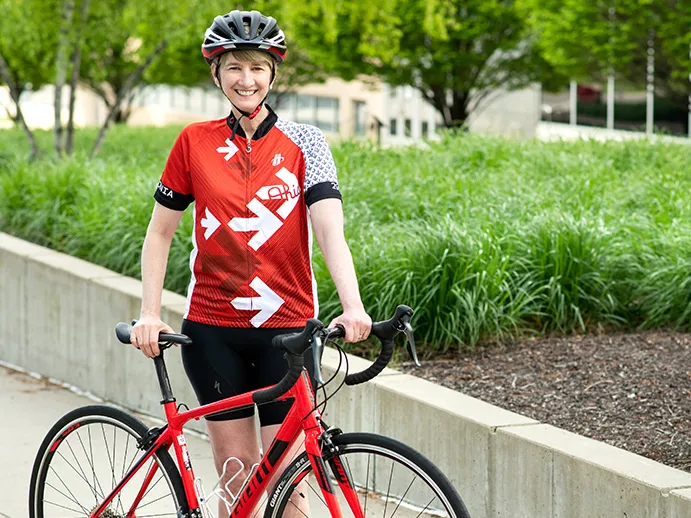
(650, 94)
(573, 103)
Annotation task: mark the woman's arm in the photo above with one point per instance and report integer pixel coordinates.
(159, 236)
(327, 223)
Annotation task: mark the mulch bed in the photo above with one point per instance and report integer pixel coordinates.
(632, 391)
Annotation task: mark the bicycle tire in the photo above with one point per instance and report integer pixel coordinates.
(387, 452)
(58, 486)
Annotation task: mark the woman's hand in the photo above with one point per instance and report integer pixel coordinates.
(145, 334)
(357, 324)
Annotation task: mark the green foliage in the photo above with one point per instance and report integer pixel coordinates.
(26, 45)
(588, 41)
(485, 238)
(440, 47)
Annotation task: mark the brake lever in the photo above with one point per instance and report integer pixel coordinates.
(317, 349)
(410, 344)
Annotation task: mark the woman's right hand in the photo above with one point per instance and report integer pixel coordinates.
(145, 332)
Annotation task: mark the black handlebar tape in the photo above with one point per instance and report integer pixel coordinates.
(385, 331)
(373, 370)
(124, 331)
(283, 386)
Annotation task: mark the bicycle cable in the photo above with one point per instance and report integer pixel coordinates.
(341, 356)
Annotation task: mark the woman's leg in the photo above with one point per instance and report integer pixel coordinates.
(300, 507)
(236, 438)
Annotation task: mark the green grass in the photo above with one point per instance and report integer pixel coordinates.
(485, 238)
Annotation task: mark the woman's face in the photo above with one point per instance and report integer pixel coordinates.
(245, 83)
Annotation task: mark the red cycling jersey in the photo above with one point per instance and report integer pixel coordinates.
(251, 256)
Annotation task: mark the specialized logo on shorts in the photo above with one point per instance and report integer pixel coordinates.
(278, 158)
(230, 149)
(265, 223)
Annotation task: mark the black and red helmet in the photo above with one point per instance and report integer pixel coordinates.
(244, 30)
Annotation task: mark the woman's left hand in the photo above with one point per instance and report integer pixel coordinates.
(357, 324)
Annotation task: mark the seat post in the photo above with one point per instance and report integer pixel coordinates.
(163, 380)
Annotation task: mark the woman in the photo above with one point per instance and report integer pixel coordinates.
(257, 181)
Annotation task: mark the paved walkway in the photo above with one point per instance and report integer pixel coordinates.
(28, 408)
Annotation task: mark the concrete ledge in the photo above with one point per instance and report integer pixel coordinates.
(57, 317)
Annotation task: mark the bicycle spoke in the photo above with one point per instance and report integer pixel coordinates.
(425, 508)
(388, 490)
(73, 469)
(318, 493)
(93, 468)
(88, 459)
(63, 507)
(153, 501)
(82, 474)
(71, 497)
(151, 486)
(401, 500)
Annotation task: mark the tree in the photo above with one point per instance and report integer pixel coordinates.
(26, 61)
(590, 40)
(454, 53)
(183, 64)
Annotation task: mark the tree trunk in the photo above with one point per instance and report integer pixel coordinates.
(130, 82)
(14, 93)
(61, 63)
(74, 80)
(459, 109)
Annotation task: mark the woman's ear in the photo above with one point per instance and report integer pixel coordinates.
(214, 68)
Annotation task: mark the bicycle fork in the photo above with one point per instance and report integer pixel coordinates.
(315, 448)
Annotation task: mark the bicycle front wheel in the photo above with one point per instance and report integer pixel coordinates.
(389, 479)
(84, 457)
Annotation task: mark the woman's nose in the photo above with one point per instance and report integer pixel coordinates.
(246, 78)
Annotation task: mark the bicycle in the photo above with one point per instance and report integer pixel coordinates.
(99, 461)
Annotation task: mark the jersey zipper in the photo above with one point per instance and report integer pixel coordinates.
(248, 197)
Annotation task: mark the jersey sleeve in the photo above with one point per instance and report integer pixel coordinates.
(321, 181)
(174, 190)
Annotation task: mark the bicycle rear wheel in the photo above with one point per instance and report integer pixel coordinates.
(390, 480)
(83, 458)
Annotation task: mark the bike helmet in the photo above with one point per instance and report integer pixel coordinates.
(243, 30)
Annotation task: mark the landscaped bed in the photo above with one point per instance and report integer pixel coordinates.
(630, 390)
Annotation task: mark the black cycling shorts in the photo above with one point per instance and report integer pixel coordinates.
(227, 361)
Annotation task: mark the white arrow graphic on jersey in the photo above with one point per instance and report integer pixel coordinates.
(265, 224)
(267, 302)
(210, 223)
(230, 150)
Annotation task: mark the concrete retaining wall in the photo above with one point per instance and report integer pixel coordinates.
(57, 316)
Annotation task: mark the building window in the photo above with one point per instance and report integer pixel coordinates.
(305, 109)
(392, 127)
(425, 129)
(327, 114)
(322, 112)
(360, 112)
(408, 131)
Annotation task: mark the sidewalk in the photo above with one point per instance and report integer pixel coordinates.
(29, 407)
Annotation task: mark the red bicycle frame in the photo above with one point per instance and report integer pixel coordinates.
(302, 416)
